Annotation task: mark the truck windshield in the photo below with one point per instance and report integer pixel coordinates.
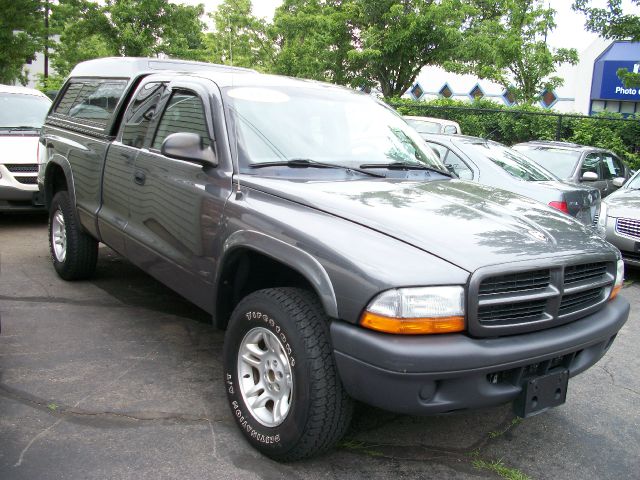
(323, 125)
(20, 111)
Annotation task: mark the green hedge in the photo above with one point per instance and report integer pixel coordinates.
(510, 125)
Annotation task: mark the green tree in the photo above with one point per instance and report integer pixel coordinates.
(612, 22)
(394, 39)
(239, 37)
(506, 43)
(313, 39)
(139, 28)
(21, 36)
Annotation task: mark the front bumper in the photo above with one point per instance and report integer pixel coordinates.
(628, 246)
(425, 375)
(14, 199)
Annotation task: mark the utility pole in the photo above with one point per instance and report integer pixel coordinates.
(46, 39)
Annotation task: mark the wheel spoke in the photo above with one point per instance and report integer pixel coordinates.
(261, 400)
(251, 360)
(253, 391)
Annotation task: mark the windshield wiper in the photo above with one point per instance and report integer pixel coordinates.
(307, 163)
(406, 166)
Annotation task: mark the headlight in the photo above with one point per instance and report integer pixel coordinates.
(617, 286)
(414, 311)
(602, 220)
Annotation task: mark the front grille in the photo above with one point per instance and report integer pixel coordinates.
(595, 218)
(22, 168)
(577, 301)
(515, 282)
(512, 312)
(587, 271)
(628, 226)
(514, 302)
(27, 180)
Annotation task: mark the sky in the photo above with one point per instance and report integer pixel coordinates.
(569, 33)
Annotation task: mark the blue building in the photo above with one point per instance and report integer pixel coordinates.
(591, 86)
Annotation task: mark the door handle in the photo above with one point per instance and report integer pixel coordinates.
(139, 177)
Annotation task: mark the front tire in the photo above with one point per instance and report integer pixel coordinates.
(280, 375)
(73, 251)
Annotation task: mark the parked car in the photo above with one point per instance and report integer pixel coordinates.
(337, 251)
(494, 164)
(22, 113)
(424, 125)
(619, 220)
(579, 163)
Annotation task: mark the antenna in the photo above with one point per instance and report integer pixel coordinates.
(235, 159)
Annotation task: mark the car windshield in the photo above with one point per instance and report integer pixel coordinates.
(424, 126)
(512, 162)
(559, 161)
(325, 125)
(634, 182)
(18, 110)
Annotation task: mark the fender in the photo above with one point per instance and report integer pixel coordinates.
(63, 163)
(293, 257)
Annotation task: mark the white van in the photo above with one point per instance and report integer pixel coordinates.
(22, 113)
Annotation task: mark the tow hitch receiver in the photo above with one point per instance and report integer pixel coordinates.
(542, 393)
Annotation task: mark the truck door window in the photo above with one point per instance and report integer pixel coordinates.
(184, 113)
(139, 114)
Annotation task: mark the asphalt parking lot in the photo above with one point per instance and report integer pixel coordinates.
(118, 377)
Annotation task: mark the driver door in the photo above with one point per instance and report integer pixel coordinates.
(177, 205)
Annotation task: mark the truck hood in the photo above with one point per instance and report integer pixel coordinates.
(624, 202)
(468, 224)
(19, 148)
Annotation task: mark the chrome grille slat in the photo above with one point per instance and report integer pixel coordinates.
(628, 226)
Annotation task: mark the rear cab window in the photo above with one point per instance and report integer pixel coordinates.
(91, 102)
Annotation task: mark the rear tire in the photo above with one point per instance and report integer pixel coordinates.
(280, 375)
(74, 253)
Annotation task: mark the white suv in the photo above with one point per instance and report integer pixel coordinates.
(22, 113)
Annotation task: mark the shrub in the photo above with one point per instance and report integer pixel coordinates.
(510, 125)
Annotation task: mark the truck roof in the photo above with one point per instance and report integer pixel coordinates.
(127, 67)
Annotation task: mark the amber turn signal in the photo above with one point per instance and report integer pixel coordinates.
(412, 326)
(615, 292)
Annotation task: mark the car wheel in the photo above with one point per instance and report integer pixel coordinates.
(280, 375)
(74, 252)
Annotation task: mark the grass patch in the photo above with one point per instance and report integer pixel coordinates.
(498, 467)
(359, 446)
(497, 433)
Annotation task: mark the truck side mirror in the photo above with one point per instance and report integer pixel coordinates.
(589, 177)
(188, 146)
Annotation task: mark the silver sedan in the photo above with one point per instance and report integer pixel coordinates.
(619, 220)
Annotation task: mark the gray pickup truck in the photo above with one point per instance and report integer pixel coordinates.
(318, 229)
